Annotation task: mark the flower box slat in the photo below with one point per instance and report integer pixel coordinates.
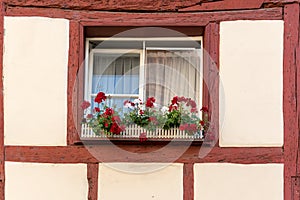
(134, 131)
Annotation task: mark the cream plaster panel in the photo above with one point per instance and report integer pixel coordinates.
(35, 80)
(236, 182)
(34, 181)
(251, 71)
(151, 181)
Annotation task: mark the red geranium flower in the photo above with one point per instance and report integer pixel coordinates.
(175, 100)
(109, 111)
(182, 127)
(100, 97)
(97, 109)
(126, 102)
(202, 123)
(188, 127)
(149, 102)
(89, 116)
(116, 129)
(85, 105)
(173, 107)
(141, 112)
(181, 99)
(116, 119)
(153, 120)
(193, 127)
(204, 109)
(191, 103)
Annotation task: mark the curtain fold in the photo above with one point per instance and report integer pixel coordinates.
(116, 74)
(172, 73)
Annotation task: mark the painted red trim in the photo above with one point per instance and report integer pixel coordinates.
(2, 154)
(235, 5)
(295, 188)
(110, 153)
(298, 106)
(149, 5)
(225, 5)
(80, 75)
(92, 176)
(206, 58)
(2, 190)
(281, 2)
(147, 19)
(188, 181)
(291, 127)
(211, 74)
(127, 5)
(73, 67)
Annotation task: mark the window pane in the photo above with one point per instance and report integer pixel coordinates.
(116, 73)
(172, 73)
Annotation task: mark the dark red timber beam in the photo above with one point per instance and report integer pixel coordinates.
(235, 5)
(2, 153)
(211, 74)
(148, 5)
(73, 67)
(141, 153)
(188, 181)
(148, 19)
(296, 179)
(290, 107)
(225, 5)
(110, 5)
(92, 176)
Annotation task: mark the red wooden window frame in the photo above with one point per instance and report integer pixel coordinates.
(76, 61)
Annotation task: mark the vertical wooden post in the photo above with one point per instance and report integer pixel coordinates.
(188, 181)
(2, 156)
(92, 176)
(291, 127)
(211, 73)
(73, 66)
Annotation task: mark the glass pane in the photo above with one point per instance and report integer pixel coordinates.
(116, 73)
(172, 73)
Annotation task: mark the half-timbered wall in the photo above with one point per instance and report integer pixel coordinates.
(254, 45)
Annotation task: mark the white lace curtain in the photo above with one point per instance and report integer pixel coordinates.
(167, 73)
(172, 73)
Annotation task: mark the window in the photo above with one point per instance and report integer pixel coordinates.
(130, 68)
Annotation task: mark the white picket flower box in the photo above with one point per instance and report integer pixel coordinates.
(134, 132)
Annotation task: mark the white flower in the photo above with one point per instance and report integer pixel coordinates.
(137, 101)
(141, 106)
(164, 109)
(127, 105)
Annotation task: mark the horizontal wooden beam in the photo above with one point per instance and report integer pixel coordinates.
(141, 153)
(148, 19)
(236, 5)
(112, 5)
(147, 5)
(225, 5)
